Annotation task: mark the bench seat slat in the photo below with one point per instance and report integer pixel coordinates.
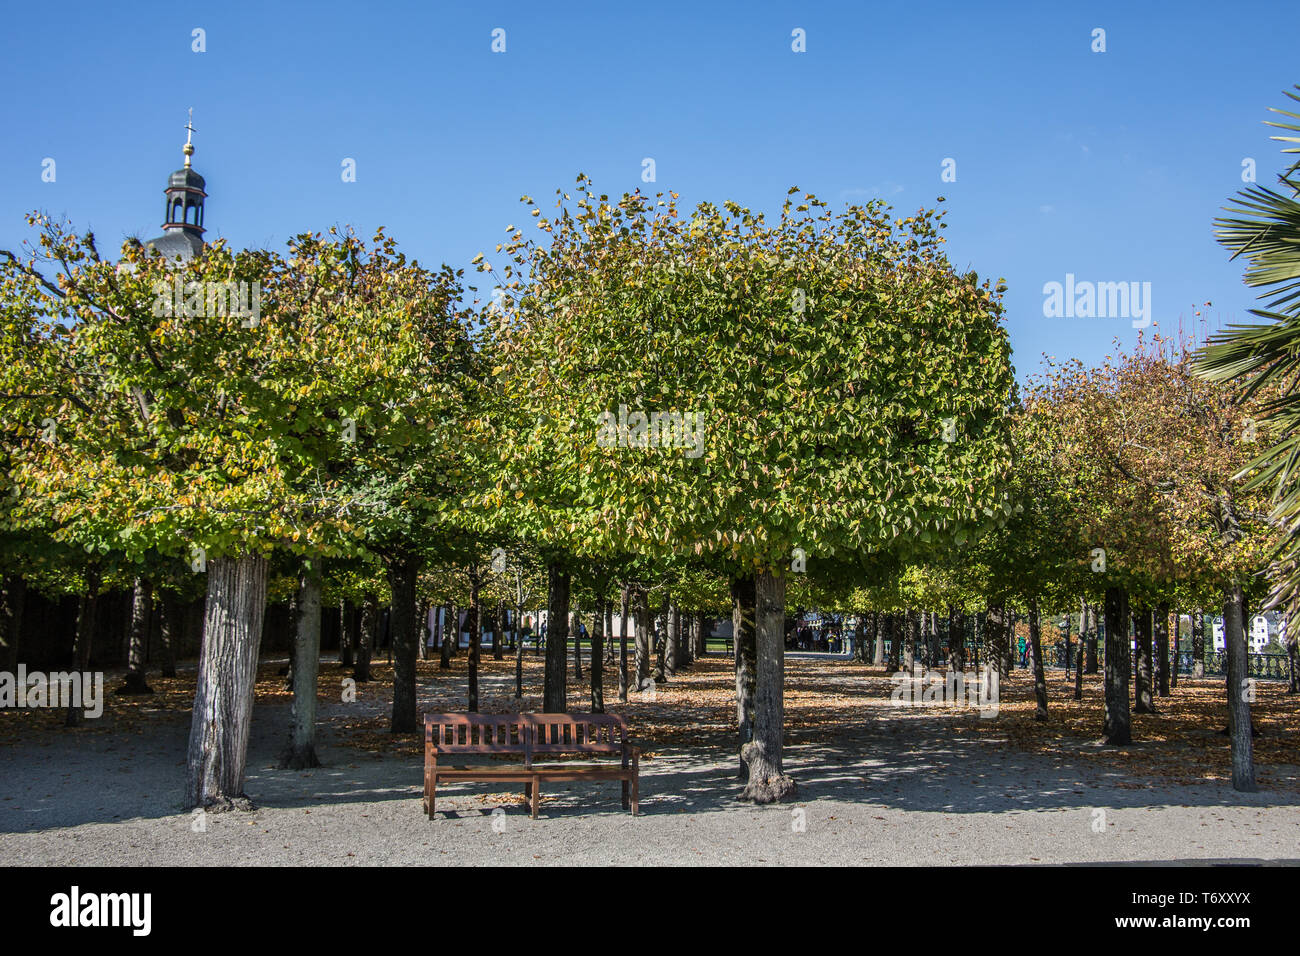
(586, 773)
(512, 774)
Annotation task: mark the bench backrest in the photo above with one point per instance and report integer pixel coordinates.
(578, 733)
(527, 734)
(479, 733)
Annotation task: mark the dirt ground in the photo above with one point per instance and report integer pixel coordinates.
(878, 783)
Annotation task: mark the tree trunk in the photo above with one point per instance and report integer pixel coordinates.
(912, 621)
(610, 657)
(223, 698)
(366, 644)
(555, 688)
(892, 634)
(1036, 648)
(686, 638)
(519, 652)
(306, 654)
(1145, 701)
(345, 633)
(642, 642)
(291, 629)
(386, 628)
(450, 638)
(660, 638)
(421, 628)
(879, 627)
(1078, 658)
(403, 573)
(956, 639)
(767, 781)
(85, 635)
(932, 639)
(576, 632)
(1198, 644)
(743, 598)
(1068, 644)
(1161, 634)
(169, 631)
(623, 626)
(498, 627)
(1175, 627)
(999, 639)
(1293, 671)
(12, 603)
(475, 638)
(672, 637)
(141, 621)
(1117, 727)
(1240, 690)
(1091, 663)
(597, 665)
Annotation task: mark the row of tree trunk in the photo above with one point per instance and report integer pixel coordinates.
(1118, 721)
(154, 619)
(236, 603)
(1155, 672)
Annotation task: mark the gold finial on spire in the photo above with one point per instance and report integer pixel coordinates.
(189, 146)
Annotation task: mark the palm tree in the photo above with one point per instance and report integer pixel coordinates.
(1264, 358)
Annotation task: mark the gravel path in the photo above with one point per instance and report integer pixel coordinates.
(920, 797)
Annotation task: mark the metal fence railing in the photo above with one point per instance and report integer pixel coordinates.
(1263, 666)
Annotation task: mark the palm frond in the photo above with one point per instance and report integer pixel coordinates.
(1263, 228)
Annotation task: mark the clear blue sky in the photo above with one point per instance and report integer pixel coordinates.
(1109, 165)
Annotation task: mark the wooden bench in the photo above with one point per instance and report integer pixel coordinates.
(529, 736)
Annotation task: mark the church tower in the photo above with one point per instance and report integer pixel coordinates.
(182, 236)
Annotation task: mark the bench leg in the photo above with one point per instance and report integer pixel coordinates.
(636, 783)
(433, 794)
(536, 787)
(627, 805)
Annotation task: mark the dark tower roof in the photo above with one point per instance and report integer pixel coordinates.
(177, 244)
(185, 178)
(183, 223)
